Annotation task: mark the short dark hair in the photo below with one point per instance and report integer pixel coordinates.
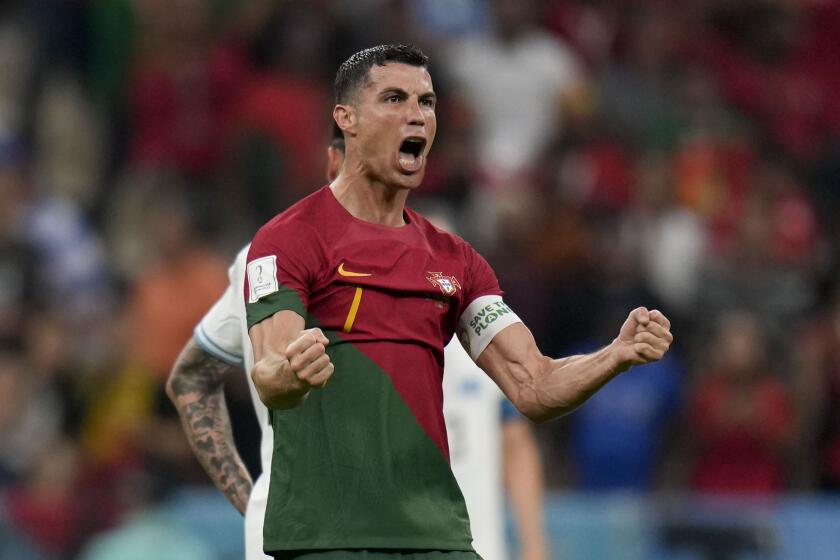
(353, 72)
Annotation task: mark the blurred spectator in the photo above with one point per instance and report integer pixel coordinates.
(452, 18)
(17, 254)
(148, 531)
(174, 290)
(636, 92)
(183, 86)
(818, 399)
(778, 62)
(522, 86)
(284, 115)
(49, 507)
(69, 264)
(30, 416)
(592, 27)
(16, 67)
(55, 362)
(69, 153)
(14, 546)
(740, 415)
(755, 267)
(663, 238)
(618, 437)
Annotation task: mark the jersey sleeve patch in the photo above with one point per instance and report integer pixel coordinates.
(483, 319)
(262, 278)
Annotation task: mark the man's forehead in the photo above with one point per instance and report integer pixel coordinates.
(398, 75)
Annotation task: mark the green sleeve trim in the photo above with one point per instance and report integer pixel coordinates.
(285, 299)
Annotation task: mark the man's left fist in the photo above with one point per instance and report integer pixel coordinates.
(644, 337)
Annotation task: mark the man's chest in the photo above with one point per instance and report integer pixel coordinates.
(381, 289)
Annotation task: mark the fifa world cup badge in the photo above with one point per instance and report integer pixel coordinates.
(447, 284)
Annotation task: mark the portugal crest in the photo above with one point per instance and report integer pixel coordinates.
(447, 284)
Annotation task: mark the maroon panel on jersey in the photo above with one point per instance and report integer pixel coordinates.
(416, 280)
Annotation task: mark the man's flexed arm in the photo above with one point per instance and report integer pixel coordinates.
(196, 388)
(543, 388)
(290, 361)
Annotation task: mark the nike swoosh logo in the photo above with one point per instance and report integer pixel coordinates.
(350, 274)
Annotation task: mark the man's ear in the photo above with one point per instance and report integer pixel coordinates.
(346, 118)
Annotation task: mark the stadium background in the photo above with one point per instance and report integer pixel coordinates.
(681, 154)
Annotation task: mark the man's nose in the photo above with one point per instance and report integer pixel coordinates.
(416, 116)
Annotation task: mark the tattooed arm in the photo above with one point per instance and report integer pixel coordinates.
(195, 387)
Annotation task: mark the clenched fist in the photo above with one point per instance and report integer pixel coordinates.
(285, 380)
(644, 337)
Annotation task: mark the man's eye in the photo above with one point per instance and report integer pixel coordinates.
(428, 102)
(393, 99)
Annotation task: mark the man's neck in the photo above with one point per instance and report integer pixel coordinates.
(370, 200)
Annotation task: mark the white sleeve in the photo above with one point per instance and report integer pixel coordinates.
(483, 319)
(220, 331)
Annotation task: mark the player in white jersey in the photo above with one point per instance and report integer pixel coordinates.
(492, 448)
(486, 445)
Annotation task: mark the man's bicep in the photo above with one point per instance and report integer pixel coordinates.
(513, 361)
(275, 333)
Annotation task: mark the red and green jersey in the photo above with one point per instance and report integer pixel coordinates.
(363, 463)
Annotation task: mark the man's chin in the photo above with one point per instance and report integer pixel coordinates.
(412, 182)
(409, 180)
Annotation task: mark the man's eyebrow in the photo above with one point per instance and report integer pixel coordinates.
(394, 90)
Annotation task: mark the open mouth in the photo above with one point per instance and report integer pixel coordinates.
(410, 154)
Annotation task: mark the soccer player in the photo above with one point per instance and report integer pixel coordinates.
(485, 431)
(349, 281)
(490, 442)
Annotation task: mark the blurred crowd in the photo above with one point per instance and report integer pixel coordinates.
(600, 153)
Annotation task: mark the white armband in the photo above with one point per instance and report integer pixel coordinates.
(483, 319)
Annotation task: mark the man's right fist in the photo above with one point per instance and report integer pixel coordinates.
(284, 381)
(308, 358)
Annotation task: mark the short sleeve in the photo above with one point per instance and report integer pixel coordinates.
(481, 280)
(484, 314)
(282, 263)
(219, 333)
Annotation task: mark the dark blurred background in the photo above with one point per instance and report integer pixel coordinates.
(601, 154)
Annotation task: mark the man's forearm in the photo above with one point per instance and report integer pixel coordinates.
(196, 388)
(565, 384)
(542, 388)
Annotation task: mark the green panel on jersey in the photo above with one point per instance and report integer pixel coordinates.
(403, 554)
(285, 299)
(353, 468)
